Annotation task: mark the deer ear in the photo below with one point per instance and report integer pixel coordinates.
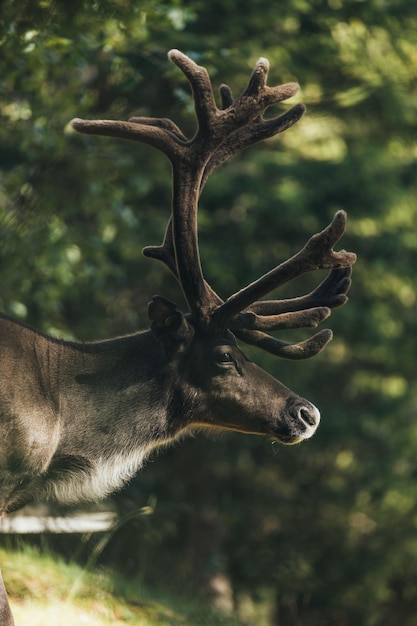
(169, 324)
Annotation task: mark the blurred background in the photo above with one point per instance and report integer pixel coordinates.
(323, 533)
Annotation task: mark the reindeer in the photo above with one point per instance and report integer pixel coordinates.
(77, 420)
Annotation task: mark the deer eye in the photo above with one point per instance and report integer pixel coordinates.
(225, 357)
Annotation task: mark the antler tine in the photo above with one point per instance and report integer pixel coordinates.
(295, 351)
(292, 319)
(155, 135)
(258, 89)
(226, 96)
(197, 76)
(330, 293)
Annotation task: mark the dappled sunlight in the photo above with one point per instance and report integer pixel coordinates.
(318, 138)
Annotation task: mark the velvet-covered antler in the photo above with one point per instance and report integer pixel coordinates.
(221, 133)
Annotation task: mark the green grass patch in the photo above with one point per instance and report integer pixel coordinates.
(44, 590)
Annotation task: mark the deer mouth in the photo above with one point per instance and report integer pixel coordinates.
(300, 421)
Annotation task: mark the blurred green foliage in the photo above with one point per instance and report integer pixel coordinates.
(327, 531)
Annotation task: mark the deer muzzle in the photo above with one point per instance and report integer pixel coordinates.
(301, 421)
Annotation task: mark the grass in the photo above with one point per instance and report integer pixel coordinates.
(44, 590)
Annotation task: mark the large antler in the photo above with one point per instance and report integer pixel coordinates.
(220, 134)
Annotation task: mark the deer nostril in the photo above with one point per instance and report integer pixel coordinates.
(309, 415)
